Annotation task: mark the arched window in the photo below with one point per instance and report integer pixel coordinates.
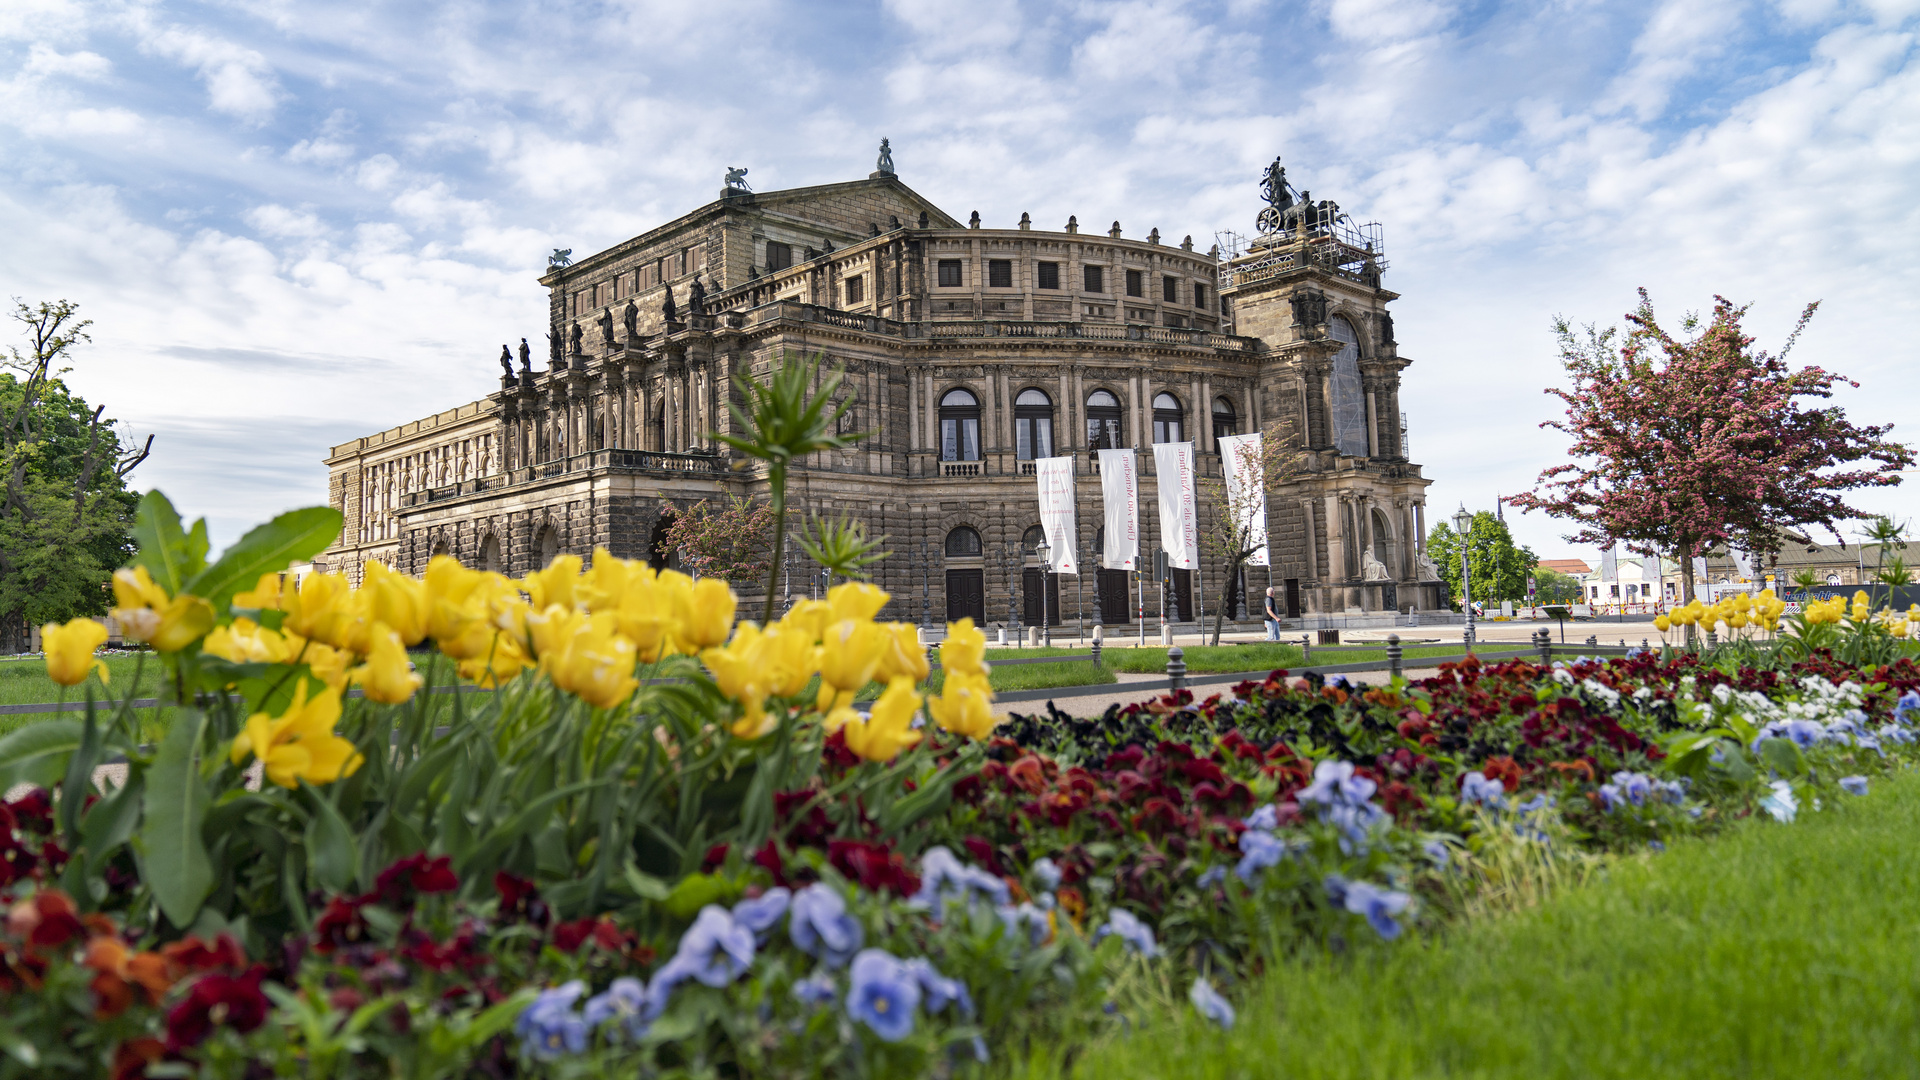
(490, 554)
(959, 426)
(1033, 425)
(963, 543)
(1348, 404)
(1833, 579)
(1166, 418)
(549, 545)
(1031, 540)
(1382, 533)
(1103, 421)
(1225, 422)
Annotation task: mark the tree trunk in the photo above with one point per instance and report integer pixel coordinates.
(1226, 594)
(1686, 581)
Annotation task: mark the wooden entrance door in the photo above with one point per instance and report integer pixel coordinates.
(1030, 596)
(1116, 597)
(967, 595)
(1180, 596)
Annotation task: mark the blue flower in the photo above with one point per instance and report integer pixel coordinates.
(1536, 804)
(1046, 872)
(1378, 906)
(1781, 804)
(1627, 788)
(943, 878)
(1334, 783)
(816, 990)
(938, 990)
(627, 1001)
(1259, 851)
(1211, 1005)
(1266, 818)
(1214, 875)
(761, 913)
(1854, 785)
(1894, 733)
(1805, 733)
(1908, 702)
(715, 950)
(549, 1027)
(883, 994)
(1476, 788)
(1124, 925)
(1656, 845)
(1356, 822)
(821, 927)
(1034, 919)
(1438, 851)
(1336, 887)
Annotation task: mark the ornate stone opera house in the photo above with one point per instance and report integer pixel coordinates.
(969, 352)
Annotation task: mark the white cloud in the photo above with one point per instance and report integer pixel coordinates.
(1386, 20)
(43, 60)
(239, 80)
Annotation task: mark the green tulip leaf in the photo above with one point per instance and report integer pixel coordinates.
(266, 549)
(164, 549)
(174, 854)
(38, 753)
(330, 847)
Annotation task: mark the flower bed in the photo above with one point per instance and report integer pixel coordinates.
(734, 870)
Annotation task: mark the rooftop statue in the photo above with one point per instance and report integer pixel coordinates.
(576, 340)
(631, 317)
(560, 257)
(885, 164)
(667, 310)
(526, 358)
(697, 297)
(736, 179)
(606, 327)
(506, 362)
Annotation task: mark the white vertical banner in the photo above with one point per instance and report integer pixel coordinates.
(1240, 460)
(1056, 512)
(1699, 575)
(1120, 498)
(1610, 564)
(1179, 519)
(1742, 563)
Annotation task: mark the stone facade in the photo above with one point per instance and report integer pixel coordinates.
(603, 445)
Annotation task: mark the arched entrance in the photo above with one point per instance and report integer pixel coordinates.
(660, 553)
(966, 576)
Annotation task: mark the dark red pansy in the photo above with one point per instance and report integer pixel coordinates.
(874, 866)
(213, 1000)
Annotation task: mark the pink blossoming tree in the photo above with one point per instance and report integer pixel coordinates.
(1683, 443)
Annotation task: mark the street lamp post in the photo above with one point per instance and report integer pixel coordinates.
(1462, 522)
(1046, 624)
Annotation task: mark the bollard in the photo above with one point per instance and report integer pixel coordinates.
(1306, 650)
(1713, 640)
(1593, 641)
(1096, 651)
(933, 656)
(1643, 645)
(1543, 641)
(1393, 655)
(1177, 667)
(1003, 635)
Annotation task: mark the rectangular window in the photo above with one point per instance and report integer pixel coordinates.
(1170, 290)
(1094, 278)
(1033, 437)
(1136, 283)
(856, 288)
(1199, 296)
(999, 273)
(779, 256)
(950, 273)
(959, 438)
(1049, 275)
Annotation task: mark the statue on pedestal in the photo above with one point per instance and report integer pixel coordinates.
(885, 165)
(697, 297)
(1373, 569)
(631, 317)
(575, 341)
(667, 310)
(736, 179)
(606, 327)
(526, 359)
(506, 363)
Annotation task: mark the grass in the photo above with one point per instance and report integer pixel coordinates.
(1768, 951)
(25, 682)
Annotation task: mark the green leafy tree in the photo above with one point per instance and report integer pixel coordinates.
(1554, 587)
(65, 512)
(1500, 567)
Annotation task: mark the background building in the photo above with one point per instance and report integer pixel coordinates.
(969, 353)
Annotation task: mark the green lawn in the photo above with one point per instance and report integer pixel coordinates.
(1788, 951)
(25, 682)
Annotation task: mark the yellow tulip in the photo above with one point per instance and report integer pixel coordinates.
(299, 744)
(849, 656)
(399, 601)
(147, 614)
(604, 584)
(788, 658)
(856, 600)
(709, 617)
(673, 598)
(646, 615)
(245, 641)
(557, 584)
(502, 660)
(733, 666)
(1662, 623)
(964, 649)
(965, 705)
(264, 596)
(387, 676)
(1900, 628)
(755, 721)
(810, 618)
(900, 653)
(328, 664)
(324, 608)
(586, 656)
(70, 648)
(889, 728)
(1738, 620)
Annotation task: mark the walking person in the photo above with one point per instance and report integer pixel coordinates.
(1273, 616)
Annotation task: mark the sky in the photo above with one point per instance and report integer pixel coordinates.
(294, 222)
